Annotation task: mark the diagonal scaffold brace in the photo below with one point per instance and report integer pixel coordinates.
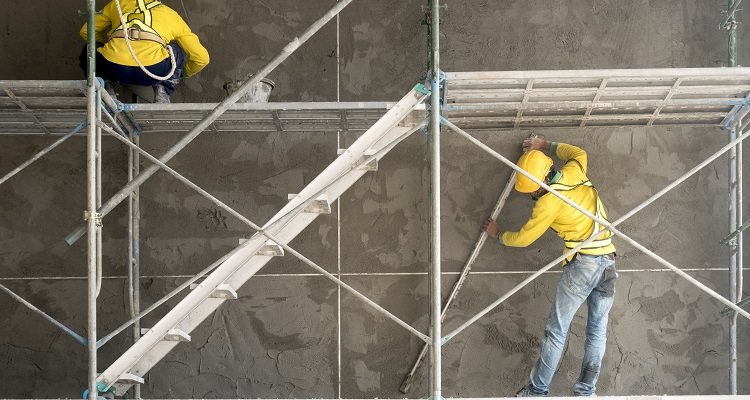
(406, 385)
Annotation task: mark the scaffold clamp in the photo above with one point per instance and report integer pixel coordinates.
(421, 88)
(109, 393)
(87, 215)
(440, 76)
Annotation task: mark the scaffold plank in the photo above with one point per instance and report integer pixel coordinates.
(473, 100)
(621, 97)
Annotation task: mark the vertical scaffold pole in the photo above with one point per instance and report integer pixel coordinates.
(134, 276)
(733, 226)
(732, 27)
(91, 206)
(98, 175)
(733, 222)
(740, 218)
(436, 297)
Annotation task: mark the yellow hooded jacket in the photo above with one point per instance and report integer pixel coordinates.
(569, 223)
(165, 21)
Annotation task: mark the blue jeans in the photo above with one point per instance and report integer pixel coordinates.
(585, 278)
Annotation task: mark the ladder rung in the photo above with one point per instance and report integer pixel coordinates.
(321, 205)
(370, 166)
(130, 379)
(223, 291)
(174, 335)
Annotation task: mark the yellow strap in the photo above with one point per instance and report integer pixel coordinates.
(141, 25)
(597, 227)
(596, 244)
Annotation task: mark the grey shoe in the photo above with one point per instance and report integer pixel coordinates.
(527, 391)
(160, 95)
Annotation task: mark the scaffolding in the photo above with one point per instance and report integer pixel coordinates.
(460, 101)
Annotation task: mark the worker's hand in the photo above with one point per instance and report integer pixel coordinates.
(535, 144)
(531, 144)
(490, 226)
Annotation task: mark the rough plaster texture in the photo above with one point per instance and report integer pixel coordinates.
(280, 339)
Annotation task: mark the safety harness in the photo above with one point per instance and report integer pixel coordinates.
(138, 29)
(599, 243)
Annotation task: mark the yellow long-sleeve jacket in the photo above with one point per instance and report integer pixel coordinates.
(550, 211)
(165, 21)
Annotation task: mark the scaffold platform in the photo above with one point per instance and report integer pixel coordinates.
(497, 100)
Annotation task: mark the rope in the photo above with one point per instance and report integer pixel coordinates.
(137, 61)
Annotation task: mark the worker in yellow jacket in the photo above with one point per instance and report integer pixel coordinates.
(588, 275)
(152, 29)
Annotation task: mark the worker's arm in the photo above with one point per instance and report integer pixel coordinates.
(541, 219)
(102, 26)
(563, 151)
(197, 55)
(568, 152)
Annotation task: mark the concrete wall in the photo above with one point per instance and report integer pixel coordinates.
(280, 338)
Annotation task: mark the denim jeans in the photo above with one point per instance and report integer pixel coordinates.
(585, 278)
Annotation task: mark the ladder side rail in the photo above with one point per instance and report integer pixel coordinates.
(134, 357)
(394, 116)
(140, 365)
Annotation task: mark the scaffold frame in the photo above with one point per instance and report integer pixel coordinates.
(459, 100)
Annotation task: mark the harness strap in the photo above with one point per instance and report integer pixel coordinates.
(138, 29)
(137, 34)
(597, 227)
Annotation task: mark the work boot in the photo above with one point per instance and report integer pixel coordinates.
(160, 95)
(527, 391)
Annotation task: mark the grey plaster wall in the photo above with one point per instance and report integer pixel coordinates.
(280, 339)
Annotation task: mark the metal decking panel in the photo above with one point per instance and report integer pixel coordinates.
(41, 107)
(570, 98)
(56, 107)
(261, 117)
(473, 100)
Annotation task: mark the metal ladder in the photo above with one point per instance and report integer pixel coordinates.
(222, 283)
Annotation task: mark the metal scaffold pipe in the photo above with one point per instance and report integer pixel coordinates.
(43, 152)
(406, 384)
(44, 315)
(134, 217)
(91, 205)
(733, 253)
(213, 115)
(740, 245)
(731, 25)
(435, 286)
(734, 207)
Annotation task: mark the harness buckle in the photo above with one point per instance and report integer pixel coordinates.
(134, 33)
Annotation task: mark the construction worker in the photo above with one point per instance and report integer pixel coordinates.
(588, 275)
(152, 30)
